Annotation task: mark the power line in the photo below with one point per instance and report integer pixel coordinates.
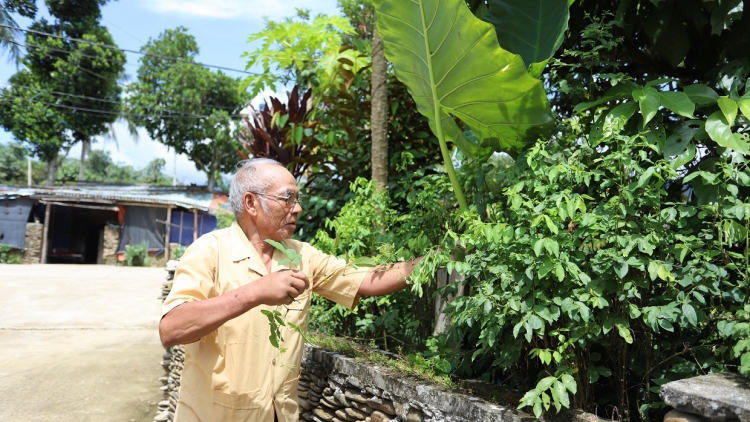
(40, 47)
(112, 47)
(104, 100)
(99, 111)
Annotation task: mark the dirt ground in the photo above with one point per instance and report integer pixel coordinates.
(79, 343)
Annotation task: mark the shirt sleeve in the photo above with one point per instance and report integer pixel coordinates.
(195, 275)
(333, 279)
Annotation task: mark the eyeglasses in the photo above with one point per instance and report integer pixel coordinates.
(290, 200)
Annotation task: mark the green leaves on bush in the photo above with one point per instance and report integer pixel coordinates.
(10, 255)
(137, 255)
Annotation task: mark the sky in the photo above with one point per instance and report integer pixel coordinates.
(221, 28)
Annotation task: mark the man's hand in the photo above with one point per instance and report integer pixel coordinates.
(193, 320)
(280, 288)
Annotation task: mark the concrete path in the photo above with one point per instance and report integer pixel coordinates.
(79, 343)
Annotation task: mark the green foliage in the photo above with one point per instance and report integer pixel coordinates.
(275, 318)
(178, 252)
(305, 51)
(137, 255)
(37, 107)
(532, 29)
(416, 365)
(13, 164)
(10, 255)
(224, 219)
(196, 121)
(370, 225)
(427, 53)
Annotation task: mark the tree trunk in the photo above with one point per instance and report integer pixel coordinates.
(212, 168)
(379, 116)
(51, 170)
(82, 167)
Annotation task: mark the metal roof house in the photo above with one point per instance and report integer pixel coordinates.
(93, 224)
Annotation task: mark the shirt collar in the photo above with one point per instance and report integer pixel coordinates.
(243, 249)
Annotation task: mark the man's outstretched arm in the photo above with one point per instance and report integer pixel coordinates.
(385, 279)
(191, 321)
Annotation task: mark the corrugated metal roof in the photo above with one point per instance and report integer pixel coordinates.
(190, 198)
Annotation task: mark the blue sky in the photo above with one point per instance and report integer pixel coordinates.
(221, 28)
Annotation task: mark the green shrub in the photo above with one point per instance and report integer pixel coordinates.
(137, 255)
(10, 255)
(595, 278)
(178, 252)
(370, 225)
(224, 219)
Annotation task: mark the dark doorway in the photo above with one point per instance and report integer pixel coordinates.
(77, 232)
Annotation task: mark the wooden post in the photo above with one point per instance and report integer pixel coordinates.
(195, 225)
(443, 279)
(167, 249)
(45, 233)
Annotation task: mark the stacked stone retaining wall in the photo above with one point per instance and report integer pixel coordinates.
(32, 253)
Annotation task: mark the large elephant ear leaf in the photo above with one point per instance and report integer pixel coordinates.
(534, 29)
(453, 66)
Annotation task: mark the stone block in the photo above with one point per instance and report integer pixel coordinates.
(355, 414)
(379, 417)
(323, 414)
(677, 416)
(355, 395)
(719, 397)
(385, 406)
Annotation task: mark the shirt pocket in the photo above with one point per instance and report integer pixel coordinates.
(236, 407)
(287, 401)
(248, 364)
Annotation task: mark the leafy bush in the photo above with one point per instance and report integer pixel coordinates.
(600, 274)
(10, 255)
(178, 252)
(224, 219)
(371, 226)
(137, 255)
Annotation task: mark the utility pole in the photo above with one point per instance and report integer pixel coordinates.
(174, 169)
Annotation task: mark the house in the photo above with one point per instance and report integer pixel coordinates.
(93, 224)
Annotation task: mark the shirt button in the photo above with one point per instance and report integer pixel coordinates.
(273, 361)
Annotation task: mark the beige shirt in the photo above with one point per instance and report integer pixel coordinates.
(234, 373)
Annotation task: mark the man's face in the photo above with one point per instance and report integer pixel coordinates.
(281, 219)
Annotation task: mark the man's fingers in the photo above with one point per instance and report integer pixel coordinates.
(300, 275)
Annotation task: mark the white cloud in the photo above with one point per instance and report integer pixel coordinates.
(240, 9)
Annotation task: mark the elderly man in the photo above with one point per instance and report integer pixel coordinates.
(226, 278)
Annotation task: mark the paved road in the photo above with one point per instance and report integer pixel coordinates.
(79, 343)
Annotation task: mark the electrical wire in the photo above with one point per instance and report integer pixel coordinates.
(104, 100)
(99, 111)
(112, 47)
(40, 47)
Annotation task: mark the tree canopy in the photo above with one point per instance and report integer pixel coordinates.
(186, 106)
(67, 81)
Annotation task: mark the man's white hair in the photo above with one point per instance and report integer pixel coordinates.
(246, 180)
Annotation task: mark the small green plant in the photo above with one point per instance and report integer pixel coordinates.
(224, 219)
(9, 255)
(275, 319)
(178, 252)
(137, 255)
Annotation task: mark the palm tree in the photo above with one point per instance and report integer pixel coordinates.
(8, 35)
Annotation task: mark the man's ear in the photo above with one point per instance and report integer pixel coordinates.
(250, 203)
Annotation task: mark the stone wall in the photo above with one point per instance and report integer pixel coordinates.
(109, 245)
(32, 254)
(714, 397)
(337, 388)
